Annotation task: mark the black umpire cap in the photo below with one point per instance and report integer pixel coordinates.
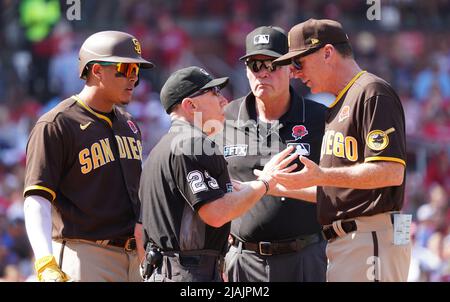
(185, 82)
(266, 40)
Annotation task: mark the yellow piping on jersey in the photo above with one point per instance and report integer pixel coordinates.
(42, 189)
(383, 158)
(92, 111)
(346, 88)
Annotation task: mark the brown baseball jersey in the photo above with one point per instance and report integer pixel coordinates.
(366, 123)
(88, 165)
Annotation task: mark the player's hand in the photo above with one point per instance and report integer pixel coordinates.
(48, 270)
(309, 176)
(277, 164)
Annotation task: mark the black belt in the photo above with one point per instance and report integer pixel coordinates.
(266, 248)
(328, 233)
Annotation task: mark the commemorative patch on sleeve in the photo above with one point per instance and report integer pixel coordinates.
(132, 126)
(378, 140)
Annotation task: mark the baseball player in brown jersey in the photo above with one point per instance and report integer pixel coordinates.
(83, 168)
(359, 183)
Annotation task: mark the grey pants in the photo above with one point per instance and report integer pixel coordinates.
(306, 265)
(89, 262)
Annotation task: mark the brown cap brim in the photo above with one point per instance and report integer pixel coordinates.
(286, 59)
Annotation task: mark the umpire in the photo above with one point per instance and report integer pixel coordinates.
(186, 193)
(278, 239)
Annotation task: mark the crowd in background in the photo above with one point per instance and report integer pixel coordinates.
(409, 47)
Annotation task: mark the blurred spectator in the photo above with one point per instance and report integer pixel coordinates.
(423, 261)
(438, 171)
(426, 224)
(413, 115)
(38, 18)
(11, 274)
(236, 31)
(63, 65)
(432, 215)
(173, 41)
(147, 110)
(432, 76)
(141, 25)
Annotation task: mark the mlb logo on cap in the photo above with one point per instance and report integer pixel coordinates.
(266, 40)
(204, 71)
(261, 39)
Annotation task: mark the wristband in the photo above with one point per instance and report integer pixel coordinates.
(266, 184)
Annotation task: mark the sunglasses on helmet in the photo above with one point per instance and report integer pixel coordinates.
(257, 65)
(123, 69)
(215, 90)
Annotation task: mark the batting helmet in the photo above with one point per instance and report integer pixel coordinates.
(111, 46)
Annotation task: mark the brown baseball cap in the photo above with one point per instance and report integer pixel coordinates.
(311, 35)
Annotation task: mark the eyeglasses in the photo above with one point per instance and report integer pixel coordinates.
(215, 90)
(123, 69)
(257, 65)
(296, 63)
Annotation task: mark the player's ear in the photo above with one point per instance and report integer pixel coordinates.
(96, 71)
(328, 49)
(188, 105)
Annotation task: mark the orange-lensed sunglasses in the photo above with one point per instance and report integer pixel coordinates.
(124, 69)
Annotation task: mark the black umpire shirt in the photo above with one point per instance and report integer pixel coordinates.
(248, 144)
(184, 171)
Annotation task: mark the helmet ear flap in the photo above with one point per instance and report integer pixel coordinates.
(85, 72)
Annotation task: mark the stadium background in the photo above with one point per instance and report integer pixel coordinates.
(409, 46)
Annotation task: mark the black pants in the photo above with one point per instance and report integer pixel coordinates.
(307, 265)
(189, 268)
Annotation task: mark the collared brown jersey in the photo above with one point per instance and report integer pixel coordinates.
(88, 165)
(366, 124)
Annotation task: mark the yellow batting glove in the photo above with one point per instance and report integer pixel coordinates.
(48, 270)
